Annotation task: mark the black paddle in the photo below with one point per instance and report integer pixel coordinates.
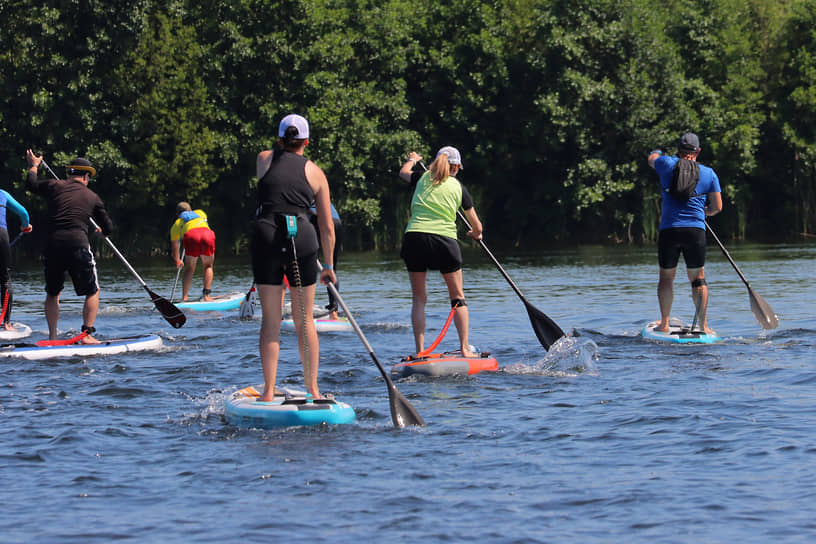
(762, 310)
(545, 328)
(173, 315)
(402, 412)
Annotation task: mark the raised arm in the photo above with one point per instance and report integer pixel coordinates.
(408, 168)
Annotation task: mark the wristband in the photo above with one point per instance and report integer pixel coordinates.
(328, 266)
(652, 152)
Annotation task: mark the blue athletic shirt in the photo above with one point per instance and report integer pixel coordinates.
(7, 202)
(678, 213)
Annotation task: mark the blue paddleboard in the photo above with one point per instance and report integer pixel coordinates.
(678, 334)
(221, 303)
(289, 409)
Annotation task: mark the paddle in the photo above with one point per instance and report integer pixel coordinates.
(247, 309)
(16, 238)
(173, 315)
(402, 412)
(762, 310)
(545, 328)
(178, 273)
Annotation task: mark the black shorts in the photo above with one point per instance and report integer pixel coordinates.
(689, 241)
(271, 252)
(78, 262)
(422, 251)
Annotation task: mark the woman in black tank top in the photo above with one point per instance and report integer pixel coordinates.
(288, 184)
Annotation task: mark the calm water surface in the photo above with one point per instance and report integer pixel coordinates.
(606, 438)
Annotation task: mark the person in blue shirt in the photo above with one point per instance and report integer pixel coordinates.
(7, 202)
(682, 228)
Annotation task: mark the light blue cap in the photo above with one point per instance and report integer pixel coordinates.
(294, 120)
(453, 155)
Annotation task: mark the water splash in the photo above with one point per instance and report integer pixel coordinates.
(570, 356)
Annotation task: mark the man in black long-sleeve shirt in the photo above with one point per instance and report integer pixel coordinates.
(70, 205)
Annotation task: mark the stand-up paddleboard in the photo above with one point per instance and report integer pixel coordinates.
(108, 347)
(290, 408)
(221, 303)
(678, 334)
(20, 331)
(450, 363)
(322, 324)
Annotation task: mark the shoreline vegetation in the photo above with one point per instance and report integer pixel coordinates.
(556, 106)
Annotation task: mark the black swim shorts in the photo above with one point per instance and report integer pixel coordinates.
(422, 251)
(689, 241)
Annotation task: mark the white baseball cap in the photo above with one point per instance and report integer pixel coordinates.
(294, 120)
(453, 155)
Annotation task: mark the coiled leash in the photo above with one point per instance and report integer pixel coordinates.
(291, 233)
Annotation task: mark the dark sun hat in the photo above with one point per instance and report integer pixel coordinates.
(80, 166)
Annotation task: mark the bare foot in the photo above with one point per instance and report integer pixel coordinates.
(8, 326)
(468, 353)
(89, 340)
(659, 328)
(333, 316)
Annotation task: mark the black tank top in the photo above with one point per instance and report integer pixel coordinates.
(284, 188)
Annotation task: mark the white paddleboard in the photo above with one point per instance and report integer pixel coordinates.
(20, 331)
(108, 347)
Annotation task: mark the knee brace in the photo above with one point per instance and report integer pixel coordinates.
(699, 282)
(456, 302)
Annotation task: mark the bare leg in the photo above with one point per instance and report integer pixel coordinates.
(702, 293)
(52, 311)
(207, 263)
(269, 342)
(303, 303)
(187, 280)
(419, 299)
(461, 318)
(89, 311)
(665, 296)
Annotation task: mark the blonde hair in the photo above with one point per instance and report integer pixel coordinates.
(440, 169)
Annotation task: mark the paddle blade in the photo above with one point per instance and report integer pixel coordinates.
(247, 310)
(403, 412)
(171, 313)
(762, 311)
(545, 328)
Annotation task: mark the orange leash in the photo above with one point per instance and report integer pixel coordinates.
(427, 351)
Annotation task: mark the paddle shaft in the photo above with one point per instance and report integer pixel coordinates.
(178, 273)
(727, 255)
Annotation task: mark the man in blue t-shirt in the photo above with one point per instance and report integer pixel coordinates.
(682, 228)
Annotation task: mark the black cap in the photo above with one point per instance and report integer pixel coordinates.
(689, 142)
(80, 166)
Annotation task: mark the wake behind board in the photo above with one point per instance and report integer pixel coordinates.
(221, 303)
(289, 409)
(450, 363)
(322, 324)
(109, 347)
(678, 334)
(20, 331)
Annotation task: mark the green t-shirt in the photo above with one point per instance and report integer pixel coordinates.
(433, 207)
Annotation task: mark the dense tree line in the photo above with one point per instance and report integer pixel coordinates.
(554, 105)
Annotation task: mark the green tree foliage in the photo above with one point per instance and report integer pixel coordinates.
(554, 105)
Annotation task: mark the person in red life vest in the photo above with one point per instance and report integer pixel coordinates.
(193, 232)
(67, 249)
